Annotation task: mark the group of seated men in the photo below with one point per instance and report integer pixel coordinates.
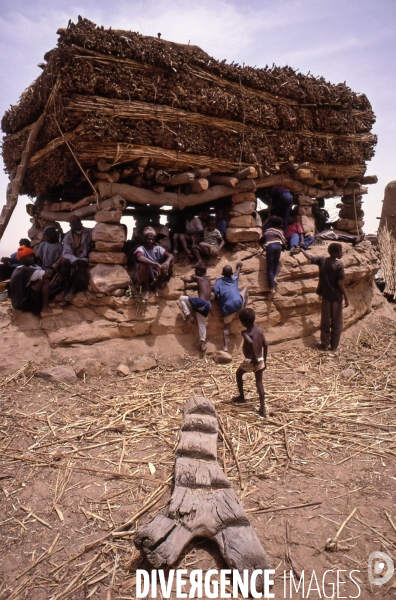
(60, 268)
(154, 263)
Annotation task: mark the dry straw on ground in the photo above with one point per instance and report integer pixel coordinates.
(83, 466)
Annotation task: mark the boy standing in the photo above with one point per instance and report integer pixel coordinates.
(332, 291)
(255, 361)
(200, 305)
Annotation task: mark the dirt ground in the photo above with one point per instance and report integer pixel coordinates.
(79, 462)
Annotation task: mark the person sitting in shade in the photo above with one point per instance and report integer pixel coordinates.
(76, 248)
(9, 263)
(199, 306)
(192, 235)
(231, 298)
(50, 249)
(295, 236)
(212, 241)
(221, 223)
(274, 242)
(29, 286)
(154, 265)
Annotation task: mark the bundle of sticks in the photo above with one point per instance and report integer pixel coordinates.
(122, 97)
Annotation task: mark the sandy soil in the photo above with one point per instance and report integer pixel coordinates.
(76, 460)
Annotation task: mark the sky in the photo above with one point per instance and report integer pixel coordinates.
(342, 40)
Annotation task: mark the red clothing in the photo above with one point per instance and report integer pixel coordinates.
(294, 228)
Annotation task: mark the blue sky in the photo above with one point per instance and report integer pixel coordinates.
(343, 40)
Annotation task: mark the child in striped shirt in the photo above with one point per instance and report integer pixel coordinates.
(273, 242)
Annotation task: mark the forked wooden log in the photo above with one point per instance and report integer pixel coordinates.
(203, 504)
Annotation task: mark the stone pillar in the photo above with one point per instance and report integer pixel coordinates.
(243, 226)
(388, 214)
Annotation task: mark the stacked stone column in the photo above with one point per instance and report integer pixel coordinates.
(242, 226)
(109, 274)
(304, 214)
(351, 214)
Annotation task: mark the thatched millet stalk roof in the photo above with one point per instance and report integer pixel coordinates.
(121, 96)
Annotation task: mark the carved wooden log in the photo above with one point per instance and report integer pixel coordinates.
(66, 206)
(204, 172)
(243, 197)
(143, 196)
(182, 178)
(303, 174)
(81, 213)
(199, 185)
(203, 503)
(114, 203)
(369, 179)
(248, 173)
(231, 181)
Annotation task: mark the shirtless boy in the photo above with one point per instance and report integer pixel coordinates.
(254, 343)
(199, 305)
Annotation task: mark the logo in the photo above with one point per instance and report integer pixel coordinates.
(380, 568)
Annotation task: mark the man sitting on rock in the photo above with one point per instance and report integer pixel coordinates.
(29, 286)
(231, 299)
(9, 263)
(76, 248)
(295, 236)
(212, 242)
(50, 249)
(201, 305)
(193, 235)
(154, 265)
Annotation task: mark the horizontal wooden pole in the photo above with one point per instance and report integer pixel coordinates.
(143, 196)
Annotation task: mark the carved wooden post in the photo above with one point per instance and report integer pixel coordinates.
(203, 504)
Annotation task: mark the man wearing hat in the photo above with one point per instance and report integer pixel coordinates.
(154, 264)
(29, 286)
(76, 249)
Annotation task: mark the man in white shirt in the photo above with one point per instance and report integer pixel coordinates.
(154, 265)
